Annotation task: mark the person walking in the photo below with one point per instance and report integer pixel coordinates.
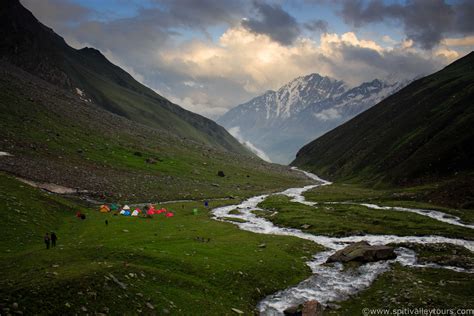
(47, 240)
(53, 239)
(106, 223)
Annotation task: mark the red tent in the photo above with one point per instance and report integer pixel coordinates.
(169, 214)
(150, 212)
(163, 210)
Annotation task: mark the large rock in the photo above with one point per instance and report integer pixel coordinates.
(362, 251)
(310, 308)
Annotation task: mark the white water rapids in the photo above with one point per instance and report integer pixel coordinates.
(330, 283)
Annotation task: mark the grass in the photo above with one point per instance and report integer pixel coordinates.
(404, 197)
(161, 260)
(347, 220)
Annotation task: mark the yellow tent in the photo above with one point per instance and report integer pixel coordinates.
(104, 209)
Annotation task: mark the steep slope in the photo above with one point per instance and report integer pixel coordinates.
(54, 136)
(424, 133)
(58, 128)
(280, 122)
(35, 48)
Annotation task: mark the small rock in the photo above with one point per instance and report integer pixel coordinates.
(15, 305)
(262, 246)
(67, 305)
(165, 311)
(305, 226)
(334, 306)
(151, 161)
(125, 230)
(139, 294)
(84, 309)
(149, 305)
(238, 311)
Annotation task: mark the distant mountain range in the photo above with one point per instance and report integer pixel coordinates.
(422, 134)
(280, 122)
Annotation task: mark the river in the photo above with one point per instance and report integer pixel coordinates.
(331, 283)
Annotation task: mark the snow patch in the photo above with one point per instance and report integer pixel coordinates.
(235, 131)
(328, 114)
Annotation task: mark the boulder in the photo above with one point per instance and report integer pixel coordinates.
(362, 251)
(310, 308)
(221, 173)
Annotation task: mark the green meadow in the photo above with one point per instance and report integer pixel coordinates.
(187, 264)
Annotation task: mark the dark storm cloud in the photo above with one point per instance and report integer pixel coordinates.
(273, 21)
(56, 11)
(317, 26)
(425, 21)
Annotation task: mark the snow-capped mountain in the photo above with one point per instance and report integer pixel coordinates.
(280, 122)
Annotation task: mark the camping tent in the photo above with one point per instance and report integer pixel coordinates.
(114, 207)
(126, 213)
(150, 212)
(123, 212)
(163, 210)
(169, 214)
(104, 209)
(126, 207)
(135, 213)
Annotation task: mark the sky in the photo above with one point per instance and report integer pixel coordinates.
(211, 55)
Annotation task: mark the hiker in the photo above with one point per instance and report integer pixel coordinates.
(106, 223)
(47, 240)
(206, 203)
(53, 239)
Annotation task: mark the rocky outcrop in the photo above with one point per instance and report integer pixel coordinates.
(362, 251)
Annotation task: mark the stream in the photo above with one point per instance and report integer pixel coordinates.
(331, 283)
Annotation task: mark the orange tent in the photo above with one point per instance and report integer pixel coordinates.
(104, 209)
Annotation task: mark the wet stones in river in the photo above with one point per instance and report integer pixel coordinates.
(310, 308)
(362, 251)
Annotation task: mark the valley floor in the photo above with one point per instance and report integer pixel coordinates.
(193, 265)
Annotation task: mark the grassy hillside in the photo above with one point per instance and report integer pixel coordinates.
(35, 48)
(421, 134)
(56, 137)
(163, 266)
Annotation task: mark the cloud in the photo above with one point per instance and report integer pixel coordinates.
(317, 26)
(235, 131)
(210, 74)
(425, 22)
(52, 12)
(465, 41)
(273, 21)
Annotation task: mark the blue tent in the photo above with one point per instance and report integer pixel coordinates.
(126, 213)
